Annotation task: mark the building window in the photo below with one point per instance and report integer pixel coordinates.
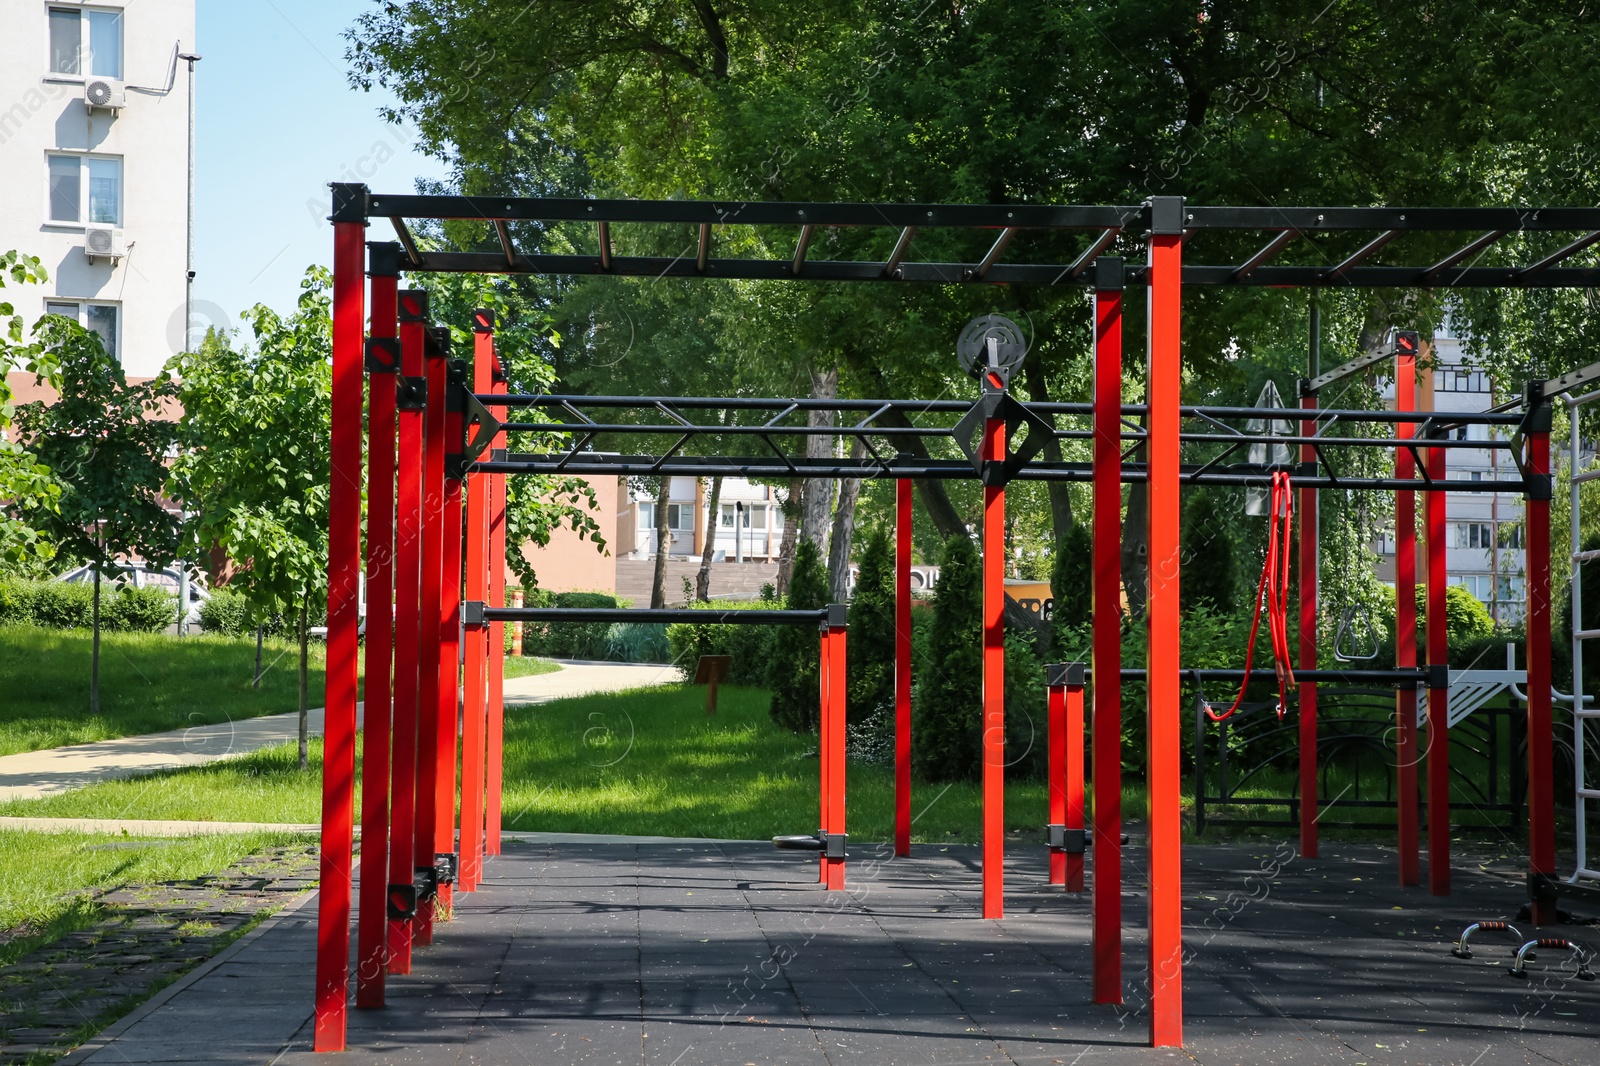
(97, 317)
(680, 516)
(1474, 535)
(86, 37)
(1456, 379)
(85, 188)
(1510, 534)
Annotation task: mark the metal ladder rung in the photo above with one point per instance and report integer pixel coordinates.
(1587, 475)
(1585, 872)
(1586, 634)
(1585, 557)
(1589, 793)
(1582, 713)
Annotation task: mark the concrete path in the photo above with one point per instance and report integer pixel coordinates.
(699, 952)
(34, 774)
(579, 678)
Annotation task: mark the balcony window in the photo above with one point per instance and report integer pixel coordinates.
(86, 40)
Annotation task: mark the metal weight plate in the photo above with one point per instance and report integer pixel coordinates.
(972, 347)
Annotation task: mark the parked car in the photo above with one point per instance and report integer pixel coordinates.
(168, 579)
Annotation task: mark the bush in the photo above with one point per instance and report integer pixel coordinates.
(638, 642)
(136, 610)
(226, 613)
(568, 640)
(1210, 565)
(1071, 589)
(948, 711)
(16, 601)
(870, 643)
(793, 665)
(62, 605)
(749, 645)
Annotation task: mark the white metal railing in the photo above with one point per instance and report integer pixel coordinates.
(1583, 790)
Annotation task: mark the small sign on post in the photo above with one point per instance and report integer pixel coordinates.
(711, 671)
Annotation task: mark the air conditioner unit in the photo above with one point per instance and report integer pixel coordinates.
(104, 93)
(104, 241)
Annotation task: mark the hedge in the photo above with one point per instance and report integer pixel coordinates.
(70, 605)
(750, 646)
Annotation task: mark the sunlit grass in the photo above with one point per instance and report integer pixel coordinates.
(528, 666)
(149, 683)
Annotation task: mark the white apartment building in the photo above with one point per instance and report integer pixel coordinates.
(94, 166)
(1484, 532)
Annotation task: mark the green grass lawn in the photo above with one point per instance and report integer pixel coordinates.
(148, 683)
(528, 666)
(46, 879)
(645, 762)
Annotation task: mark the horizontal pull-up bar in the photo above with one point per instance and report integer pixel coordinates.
(1403, 676)
(628, 614)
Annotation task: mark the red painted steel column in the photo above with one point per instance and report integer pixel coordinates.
(344, 579)
(383, 365)
(834, 740)
(1107, 618)
(1405, 623)
(1541, 790)
(1165, 372)
(495, 741)
(475, 650)
(824, 749)
(1056, 762)
(449, 721)
(407, 627)
(1309, 536)
(1438, 698)
(1074, 701)
(902, 667)
(428, 756)
(994, 677)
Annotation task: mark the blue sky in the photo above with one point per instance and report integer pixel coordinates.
(276, 120)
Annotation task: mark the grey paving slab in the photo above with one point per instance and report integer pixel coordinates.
(668, 954)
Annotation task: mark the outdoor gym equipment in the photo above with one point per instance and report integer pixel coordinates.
(1462, 950)
(1556, 943)
(1346, 639)
(463, 450)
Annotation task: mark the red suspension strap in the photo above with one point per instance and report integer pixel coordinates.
(1273, 589)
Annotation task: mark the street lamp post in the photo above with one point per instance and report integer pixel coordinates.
(188, 260)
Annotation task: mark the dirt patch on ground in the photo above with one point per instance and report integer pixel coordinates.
(146, 937)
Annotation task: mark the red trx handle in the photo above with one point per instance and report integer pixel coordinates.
(1273, 590)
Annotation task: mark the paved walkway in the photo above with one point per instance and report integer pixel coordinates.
(34, 774)
(577, 678)
(685, 953)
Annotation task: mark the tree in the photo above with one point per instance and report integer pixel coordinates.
(1210, 566)
(254, 472)
(1071, 585)
(25, 483)
(702, 581)
(105, 444)
(793, 671)
(872, 638)
(949, 711)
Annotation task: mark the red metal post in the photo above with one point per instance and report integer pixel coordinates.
(1074, 702)
(383, 364)
(1541, 789)
(475, 650)
(1107, 619)
(495, 741)
(1405, 623)
(428, 755)
(1165, 374)
(833, 740)
(824, 749)
(407, 628)
(1438, 696)
(449, 722)
(1056, 763)
(994, 677)
(1309, 537)
(344, 579)
(902, 667)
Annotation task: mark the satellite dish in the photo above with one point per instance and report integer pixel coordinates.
(972, 348)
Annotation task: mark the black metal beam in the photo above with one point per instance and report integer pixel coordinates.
(1464, 252)
(625, 614)
(1571, 380)
(1262, 257)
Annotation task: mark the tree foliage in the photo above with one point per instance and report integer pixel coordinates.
(949, 706)
(793, 672)
(25, 483)
(871, 635)
(1210, 566)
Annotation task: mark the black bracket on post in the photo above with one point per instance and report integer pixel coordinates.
(383, 259)
(472, 612)
(426, 883)
(1069, 841)
(838, 615)
(436, 342)
(833, 844)
(445, 866)
(411, 394)
(349, 202)
(401, 902)
(997, 403)
(413, 305)
(1065, 675)
(482, 320)
(1542, 888)
(383, 355)
(1438, 675)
